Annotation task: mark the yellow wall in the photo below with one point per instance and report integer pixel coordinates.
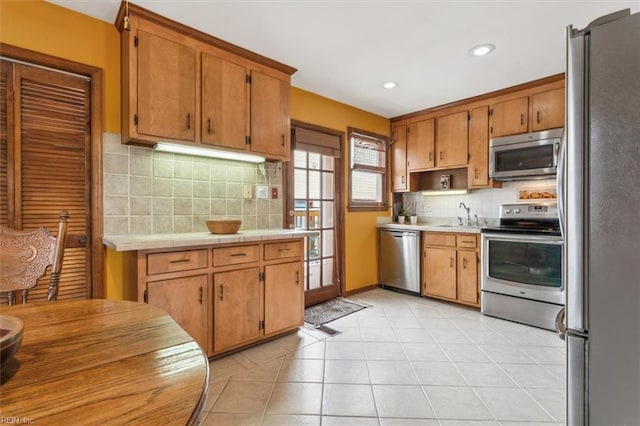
(53, 30)
(47, 28)
(360, 228)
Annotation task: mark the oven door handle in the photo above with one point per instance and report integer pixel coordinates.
(561, 328)
(523, 238)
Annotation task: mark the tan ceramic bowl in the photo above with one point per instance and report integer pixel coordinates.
(223, 226)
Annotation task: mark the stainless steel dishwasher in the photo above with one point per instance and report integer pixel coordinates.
(399, 259)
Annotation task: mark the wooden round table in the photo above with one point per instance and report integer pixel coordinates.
(102, 362)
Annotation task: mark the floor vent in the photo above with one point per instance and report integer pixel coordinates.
(328, 330)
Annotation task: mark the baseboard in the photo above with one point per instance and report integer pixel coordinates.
(360, 290)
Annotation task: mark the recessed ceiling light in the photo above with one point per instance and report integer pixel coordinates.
(482, 49)
(389, 85)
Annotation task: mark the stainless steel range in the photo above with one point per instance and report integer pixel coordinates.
(522, 265)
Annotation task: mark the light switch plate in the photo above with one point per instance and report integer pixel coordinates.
(262, 191)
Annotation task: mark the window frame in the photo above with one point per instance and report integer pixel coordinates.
(368, 206)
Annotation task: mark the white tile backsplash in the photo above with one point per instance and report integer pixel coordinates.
(151, 192)
(483, 202)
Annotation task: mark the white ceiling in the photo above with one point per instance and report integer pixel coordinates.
(346, 49)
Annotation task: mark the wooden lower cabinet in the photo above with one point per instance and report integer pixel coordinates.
(440, 272)
(468, 277)
(283, 298)
(237, 308)
(186, 300)
(225, 296)
(450, 267)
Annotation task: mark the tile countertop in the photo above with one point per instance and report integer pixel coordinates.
(432, 227)
(161, 241)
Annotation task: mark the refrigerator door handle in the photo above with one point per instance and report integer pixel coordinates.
(561, 328)
(575, 168)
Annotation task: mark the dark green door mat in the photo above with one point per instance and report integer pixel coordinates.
(329, 311)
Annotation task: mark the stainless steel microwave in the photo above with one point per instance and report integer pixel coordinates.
(526, 156)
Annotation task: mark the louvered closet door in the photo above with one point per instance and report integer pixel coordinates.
(52, 167)
(5, 72)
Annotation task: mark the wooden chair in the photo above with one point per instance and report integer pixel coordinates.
(25, 256)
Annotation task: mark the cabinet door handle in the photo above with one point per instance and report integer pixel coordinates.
(180, 261)
(537, 116)
(451, 262)
(297, 277)
(476, 172)
(282, 139)
(209, 128)
(221, 292)
(284, 250)
(402, 179)
(238, 254)
(189, 120)
(464, 263)
(431, 156)
(441, 155)
(521, 119)
(200, 298)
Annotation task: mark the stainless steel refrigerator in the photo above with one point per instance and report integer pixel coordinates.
(599, 184)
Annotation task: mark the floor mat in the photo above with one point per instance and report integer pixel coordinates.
(329, 311)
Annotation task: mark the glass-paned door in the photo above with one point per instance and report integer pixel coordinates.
(313, 207)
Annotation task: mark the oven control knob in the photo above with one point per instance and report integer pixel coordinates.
(507, 211)
(516, 211)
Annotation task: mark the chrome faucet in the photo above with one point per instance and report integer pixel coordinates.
(468, 210)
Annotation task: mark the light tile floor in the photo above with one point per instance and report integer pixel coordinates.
(404, 360)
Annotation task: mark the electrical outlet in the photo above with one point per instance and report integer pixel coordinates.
(274, 193)
(247, 192)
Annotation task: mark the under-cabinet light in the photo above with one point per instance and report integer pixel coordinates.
(446, 192)
(208, 152)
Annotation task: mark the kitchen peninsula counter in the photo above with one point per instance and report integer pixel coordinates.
(195, 239)
(226, 290)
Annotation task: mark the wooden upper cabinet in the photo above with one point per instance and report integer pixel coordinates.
(478, 175)
(166, 106)
(420, 145)
(398, 149)
(452, 136)
(187, 87)
(512, 116)
(547, 110)
(509, 117)
(270, 127)
(224, 103)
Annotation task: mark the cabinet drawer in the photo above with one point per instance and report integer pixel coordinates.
(467, 241)
(159, 263)
(236, 255)
(440, 239)
(282, 250)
